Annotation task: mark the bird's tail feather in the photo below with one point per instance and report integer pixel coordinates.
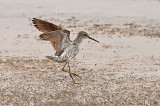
(57, 59)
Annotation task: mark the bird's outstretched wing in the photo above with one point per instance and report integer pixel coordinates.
(53, 33)
(59, 39)
(45, 26)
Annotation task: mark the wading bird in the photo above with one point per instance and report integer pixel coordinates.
(60, 40)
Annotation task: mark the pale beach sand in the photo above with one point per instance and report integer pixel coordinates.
(123, 69)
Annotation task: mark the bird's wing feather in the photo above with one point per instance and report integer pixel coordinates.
(59, 39)
(45, 26)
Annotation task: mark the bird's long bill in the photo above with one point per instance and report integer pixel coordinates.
(93, 39)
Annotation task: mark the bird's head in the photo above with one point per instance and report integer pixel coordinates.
(84, 35)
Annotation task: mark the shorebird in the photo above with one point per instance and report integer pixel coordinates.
(60, 40)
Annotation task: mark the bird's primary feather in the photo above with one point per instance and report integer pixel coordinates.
(45, 26)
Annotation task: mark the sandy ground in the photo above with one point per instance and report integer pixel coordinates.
(123, 69)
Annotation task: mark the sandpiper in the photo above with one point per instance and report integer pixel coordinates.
(60, 40)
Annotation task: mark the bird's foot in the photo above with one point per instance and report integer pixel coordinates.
(76, 75)
(70, 73)
(73, 79)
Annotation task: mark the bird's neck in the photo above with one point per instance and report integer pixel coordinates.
(78, 40)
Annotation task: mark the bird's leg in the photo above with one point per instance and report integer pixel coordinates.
(72, 73)
(64, 67)
(68, 71)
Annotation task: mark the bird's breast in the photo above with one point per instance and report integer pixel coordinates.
(70, 52)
